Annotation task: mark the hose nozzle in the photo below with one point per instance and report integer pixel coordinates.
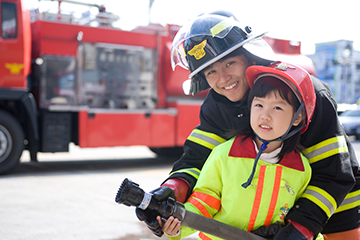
(129, 194)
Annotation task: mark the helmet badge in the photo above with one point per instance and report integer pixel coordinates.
(284, 66)
(198, 50)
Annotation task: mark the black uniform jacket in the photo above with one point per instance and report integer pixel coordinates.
(335, 170)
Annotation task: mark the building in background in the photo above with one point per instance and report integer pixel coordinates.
(338, 65)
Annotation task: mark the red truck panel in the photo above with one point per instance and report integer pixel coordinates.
(125, 128)
(161, 128)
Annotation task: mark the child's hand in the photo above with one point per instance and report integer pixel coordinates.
(171, 227)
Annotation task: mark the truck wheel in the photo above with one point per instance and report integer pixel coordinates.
(11, 142)
(172, 152)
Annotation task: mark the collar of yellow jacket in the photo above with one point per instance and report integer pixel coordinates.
(245, 149)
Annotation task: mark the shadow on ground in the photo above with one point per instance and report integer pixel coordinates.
(89, 165)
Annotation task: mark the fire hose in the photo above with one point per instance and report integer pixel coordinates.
(130, 194)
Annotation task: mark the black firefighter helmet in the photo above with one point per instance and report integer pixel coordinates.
(211, 36)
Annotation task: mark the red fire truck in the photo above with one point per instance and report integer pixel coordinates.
(64, 81)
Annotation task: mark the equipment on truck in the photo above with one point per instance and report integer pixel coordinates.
(80, 80)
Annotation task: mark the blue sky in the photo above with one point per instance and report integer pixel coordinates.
(308, 21)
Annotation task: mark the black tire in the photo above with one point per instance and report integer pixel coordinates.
(171, 152)
(11, 142)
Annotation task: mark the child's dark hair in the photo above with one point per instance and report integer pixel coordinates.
(262, 88)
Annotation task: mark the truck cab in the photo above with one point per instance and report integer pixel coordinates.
(18, 122)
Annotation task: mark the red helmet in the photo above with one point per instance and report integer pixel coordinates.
(295, 77)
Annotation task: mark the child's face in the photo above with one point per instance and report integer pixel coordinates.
(227, 77)
(271, 116)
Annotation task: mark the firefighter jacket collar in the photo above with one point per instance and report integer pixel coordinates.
(247, 150)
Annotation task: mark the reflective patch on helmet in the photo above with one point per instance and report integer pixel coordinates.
(184, 52)
(221, 26)
(198, 51)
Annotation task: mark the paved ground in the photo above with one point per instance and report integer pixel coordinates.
(66, 196)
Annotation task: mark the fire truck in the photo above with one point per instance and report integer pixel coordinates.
(67, 81)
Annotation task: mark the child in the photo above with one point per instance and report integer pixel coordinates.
(281, 102)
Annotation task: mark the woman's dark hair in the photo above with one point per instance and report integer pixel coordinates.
(262, 88)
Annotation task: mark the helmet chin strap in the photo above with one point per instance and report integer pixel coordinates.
(265, 143)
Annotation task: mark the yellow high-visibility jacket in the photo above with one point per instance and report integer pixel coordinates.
(218, 193)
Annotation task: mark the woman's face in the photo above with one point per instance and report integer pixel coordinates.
(227, 77)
